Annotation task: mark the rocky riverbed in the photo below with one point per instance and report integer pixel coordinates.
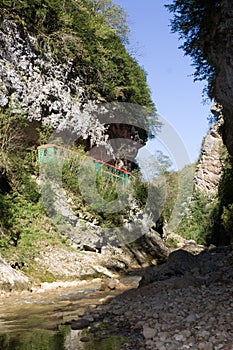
(192, 308)
(183, 303)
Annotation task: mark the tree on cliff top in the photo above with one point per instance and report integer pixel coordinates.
(114, 15)
(196, 22)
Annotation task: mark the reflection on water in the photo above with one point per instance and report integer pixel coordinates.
(64, 339)
(38, 340)
(36, 322)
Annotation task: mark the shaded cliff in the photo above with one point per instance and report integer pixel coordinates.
(206, 29)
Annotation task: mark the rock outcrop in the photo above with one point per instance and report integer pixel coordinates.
(210, 166)
(73, 264)
(49, 92)
(35, 85)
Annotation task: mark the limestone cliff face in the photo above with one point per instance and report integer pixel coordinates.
(45, 91)
(35, 85)
(210, 166)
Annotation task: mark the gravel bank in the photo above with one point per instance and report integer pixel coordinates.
(182, 312)
(161, 318)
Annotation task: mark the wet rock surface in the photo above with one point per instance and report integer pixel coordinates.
(188, 311)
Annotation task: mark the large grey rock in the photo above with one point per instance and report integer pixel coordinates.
(149, 245)
(209, 266)
(10, 278)
(179, 262)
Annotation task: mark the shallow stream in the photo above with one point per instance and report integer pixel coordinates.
(36, 321)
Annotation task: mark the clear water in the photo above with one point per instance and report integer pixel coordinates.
(36, 321)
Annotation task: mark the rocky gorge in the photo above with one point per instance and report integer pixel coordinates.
(181, 294)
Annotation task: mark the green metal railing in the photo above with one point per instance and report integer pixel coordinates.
(51, 152)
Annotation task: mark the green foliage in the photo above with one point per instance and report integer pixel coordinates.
(227, 222)
(48, 196)
(175, 189)
(140, 189)
(114, 15)
(28, 188)
(210, 221)
(45, 132)
(25, 231)
(156, 165)
(172, 242)
(196, 223)
(107, 187)
(71, 170)
(94, 193)
(172, 187)
(24, 227)
(196, 23)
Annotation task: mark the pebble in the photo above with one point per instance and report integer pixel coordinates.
(148, 332)
(179, 337)
(79, 324)
(191, 318)
(84, 339)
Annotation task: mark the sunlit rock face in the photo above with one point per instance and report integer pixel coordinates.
(210, 165)
(47, 92)
(33, 84)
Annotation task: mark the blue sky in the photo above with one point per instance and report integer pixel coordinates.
(178, 99)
